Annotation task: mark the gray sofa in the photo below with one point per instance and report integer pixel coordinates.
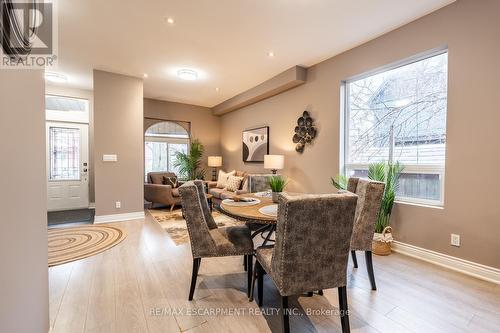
(251, 183)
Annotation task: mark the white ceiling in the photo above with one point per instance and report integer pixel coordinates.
(227, 41)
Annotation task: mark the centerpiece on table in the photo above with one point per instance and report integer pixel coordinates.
(277, 184)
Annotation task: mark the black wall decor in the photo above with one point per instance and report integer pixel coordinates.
(305, 132)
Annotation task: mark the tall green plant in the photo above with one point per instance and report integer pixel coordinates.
(189, 164)
(387, 173)
(277, 183)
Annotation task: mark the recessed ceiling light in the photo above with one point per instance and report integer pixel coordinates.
(55, 77)
(187, 74)
(217, 89)
(170, 20)
(145, 75)
(270, 54)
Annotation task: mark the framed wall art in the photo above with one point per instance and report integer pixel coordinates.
(255, 144)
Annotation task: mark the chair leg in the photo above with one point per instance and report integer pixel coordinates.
(369, 267)
(260, 284)
(344, 312)
(354, 259)
(172, 207)
(196, 267)
(249, 273)
(285, 324)
(245, 262)
(320, 292)
(252, 284)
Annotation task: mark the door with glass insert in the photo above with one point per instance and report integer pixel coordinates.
(67, 166)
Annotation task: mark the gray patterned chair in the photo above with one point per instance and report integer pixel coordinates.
(369, 199)
(312, 248)
(207, 240)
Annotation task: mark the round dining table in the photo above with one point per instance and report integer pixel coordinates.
(252, 215)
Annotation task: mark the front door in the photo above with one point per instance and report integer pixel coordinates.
(67, 166)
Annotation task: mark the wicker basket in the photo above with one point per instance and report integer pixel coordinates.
(382, 246)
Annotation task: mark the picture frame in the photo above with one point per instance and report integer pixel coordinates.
(255, 144)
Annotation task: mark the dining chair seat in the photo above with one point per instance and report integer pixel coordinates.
(265, 255)
(235, 240)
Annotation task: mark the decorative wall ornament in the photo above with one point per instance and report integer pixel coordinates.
(305, 132)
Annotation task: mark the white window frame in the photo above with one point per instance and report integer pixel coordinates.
(408, 168)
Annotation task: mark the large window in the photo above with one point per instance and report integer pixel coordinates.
(400, 115)
(162, 141)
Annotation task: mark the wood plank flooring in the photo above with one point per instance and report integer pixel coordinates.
(142, 284)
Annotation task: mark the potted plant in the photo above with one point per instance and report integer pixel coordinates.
(277, 184)
(387, 173)
(189, 164)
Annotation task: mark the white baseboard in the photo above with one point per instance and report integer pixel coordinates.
(479, 271)
(118, 217)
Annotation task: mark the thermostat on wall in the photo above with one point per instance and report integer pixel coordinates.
(109, 158)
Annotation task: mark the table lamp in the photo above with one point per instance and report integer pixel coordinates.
(214, 162)
(274, 162)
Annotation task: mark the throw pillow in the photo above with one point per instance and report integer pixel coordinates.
(223, 177)
(233, 183)
(172, 181)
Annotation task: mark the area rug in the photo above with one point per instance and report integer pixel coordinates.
(70, 244)
(175, 225)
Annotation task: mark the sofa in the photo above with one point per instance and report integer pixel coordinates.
(156, 192)
(251, 183)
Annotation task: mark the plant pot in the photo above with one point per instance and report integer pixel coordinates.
(275, 196)
(381, 243)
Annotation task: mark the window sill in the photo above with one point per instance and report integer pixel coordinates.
(417, 204)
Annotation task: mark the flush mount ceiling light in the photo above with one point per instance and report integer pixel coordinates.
(145, 75)
(55, 77)
(170, 20)
(187, 74)
(270, 54)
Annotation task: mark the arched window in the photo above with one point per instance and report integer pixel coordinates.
(161, 142)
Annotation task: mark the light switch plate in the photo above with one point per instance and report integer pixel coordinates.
(455, 240)
(109, 158)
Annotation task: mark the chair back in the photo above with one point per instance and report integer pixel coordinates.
(369, 194)
(202, 243)
(204, 205)
(312, 241)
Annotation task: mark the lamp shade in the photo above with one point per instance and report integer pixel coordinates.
(214, 161)
(274, 162)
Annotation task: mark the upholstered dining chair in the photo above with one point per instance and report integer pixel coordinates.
(311, 250)
(369, 194)
(208, 240)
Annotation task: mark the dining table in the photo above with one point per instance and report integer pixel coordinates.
(257, 214)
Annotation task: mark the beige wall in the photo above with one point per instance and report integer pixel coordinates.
(88, 95)
(118, 129)
(204, 125)
(24, 300)
(470, 29)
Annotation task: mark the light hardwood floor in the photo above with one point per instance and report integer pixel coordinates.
(131, 287)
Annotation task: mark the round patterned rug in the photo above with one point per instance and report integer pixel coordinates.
(70, 244)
